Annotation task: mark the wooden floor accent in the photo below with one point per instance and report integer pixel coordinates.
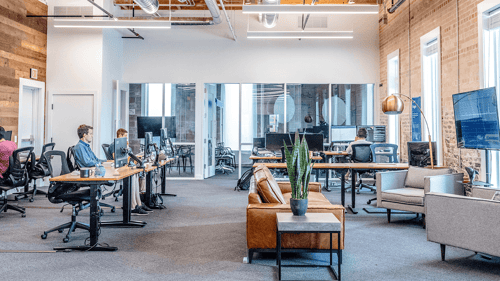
(23, 45)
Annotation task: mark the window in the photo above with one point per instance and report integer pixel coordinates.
(431, 88)
(392, 88)
(489, 26)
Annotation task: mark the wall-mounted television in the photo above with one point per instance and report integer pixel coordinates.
(476, 119)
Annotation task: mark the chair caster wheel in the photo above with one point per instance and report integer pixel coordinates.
(66, 240)
(113, 210)
(31, 199)
(44, 236)
(60, 230)
(116, 199)
(23, 215)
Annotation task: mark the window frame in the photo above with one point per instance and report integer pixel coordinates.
(393, 130)
(434, 118)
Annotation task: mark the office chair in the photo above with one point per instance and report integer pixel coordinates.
(361, 153)
(383, 153)
(65, 192)
(109, 154)
(16, 176)
(72, 166)
(184, 153)
(39, 170)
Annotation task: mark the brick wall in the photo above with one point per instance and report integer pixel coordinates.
(413, 19)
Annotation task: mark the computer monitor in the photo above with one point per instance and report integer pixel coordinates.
(171, 126)
(148, 124)
(375, 133)
(419, 154)
(259, 142)
(121, 152)
(322, 129)
(314, 141)
(163, 138)
(8, 135)
(274, 141)
(148, 140)
(343, 133)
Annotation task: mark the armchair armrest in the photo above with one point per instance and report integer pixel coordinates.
(483, 192)
(464, 222)
(286, 187)
(451, 184)
(390, 180)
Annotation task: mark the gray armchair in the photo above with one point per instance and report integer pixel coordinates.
(469, 223)
(406, 190)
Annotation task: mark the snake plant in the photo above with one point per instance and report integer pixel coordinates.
(299, 167)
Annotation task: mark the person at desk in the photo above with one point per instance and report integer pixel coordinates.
(136, 203)
(360, 139)
(6, 150)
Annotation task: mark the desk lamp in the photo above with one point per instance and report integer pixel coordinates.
(393, 105)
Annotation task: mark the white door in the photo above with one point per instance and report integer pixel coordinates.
(69, 112)
(31, 116)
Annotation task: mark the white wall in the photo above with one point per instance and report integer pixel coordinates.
(208, 54)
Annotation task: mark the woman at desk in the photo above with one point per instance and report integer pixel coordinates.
(360, 139)
(6, 150)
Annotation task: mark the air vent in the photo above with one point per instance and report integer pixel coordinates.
(73, 10)
(314, 22)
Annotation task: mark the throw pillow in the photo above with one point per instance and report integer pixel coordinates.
(415, 175)
(267, 186)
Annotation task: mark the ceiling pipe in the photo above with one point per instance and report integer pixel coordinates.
(148, 6)
(227, 19)
(395, 6)
(214, 10)
(188, 23)
(113, 17)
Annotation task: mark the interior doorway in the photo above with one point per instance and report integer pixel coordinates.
(31, 114)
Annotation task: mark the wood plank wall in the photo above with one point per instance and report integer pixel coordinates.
(23, 45)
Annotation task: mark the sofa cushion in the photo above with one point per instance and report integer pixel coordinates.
(314, 198)
(415, 175)
(410, 196)
(267, 186)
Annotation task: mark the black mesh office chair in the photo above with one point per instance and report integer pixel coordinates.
(109, 154)
(65, 192)
(39, 170)
(361, 153)
(16, 176)
(383, 153)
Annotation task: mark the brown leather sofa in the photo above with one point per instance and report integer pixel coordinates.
(261, 219)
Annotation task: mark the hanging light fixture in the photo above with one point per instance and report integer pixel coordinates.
(148, 6)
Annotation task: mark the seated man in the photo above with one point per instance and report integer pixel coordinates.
(6, 150)
(136, 204)
(360, 138)
(84, 157)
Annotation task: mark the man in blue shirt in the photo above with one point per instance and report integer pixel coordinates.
(84, 157)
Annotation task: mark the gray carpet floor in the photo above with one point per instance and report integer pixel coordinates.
(201, 236)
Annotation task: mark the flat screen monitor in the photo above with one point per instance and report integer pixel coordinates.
(121, 152)
(171, 126)
(274, 141)
(148, 124)
(259, 142)
(375, 133)
(8, 135)
(163, 138)
(148, 141)
(419, 154)
(321, 130)
(343, 133)
(314, 141)
(476, 119)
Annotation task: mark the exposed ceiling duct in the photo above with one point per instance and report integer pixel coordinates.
(269, 20)
(148, 6)
(214, 10)
(395, 6)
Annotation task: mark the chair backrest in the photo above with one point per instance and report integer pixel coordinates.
(384, 153)
(109, 154)
(20, 161)
(57, 163)
(70, 160)
(46, 147)
(361, 153)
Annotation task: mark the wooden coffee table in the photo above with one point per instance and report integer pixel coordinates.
(310, 223)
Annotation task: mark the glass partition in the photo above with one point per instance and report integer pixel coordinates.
(352, 104)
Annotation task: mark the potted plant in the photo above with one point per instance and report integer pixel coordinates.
(299, 167)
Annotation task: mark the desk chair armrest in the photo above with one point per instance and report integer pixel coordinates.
(286, 187)
(451, 184)
(390, 180)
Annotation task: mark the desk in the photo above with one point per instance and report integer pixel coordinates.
(256, 158)
(95, 193)
(329, 155)
(149, 186)
(342, 168)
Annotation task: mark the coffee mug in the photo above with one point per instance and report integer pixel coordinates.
(86, 173)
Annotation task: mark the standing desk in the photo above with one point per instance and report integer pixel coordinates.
(342, 168)
(124, 174)
(328, 156)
